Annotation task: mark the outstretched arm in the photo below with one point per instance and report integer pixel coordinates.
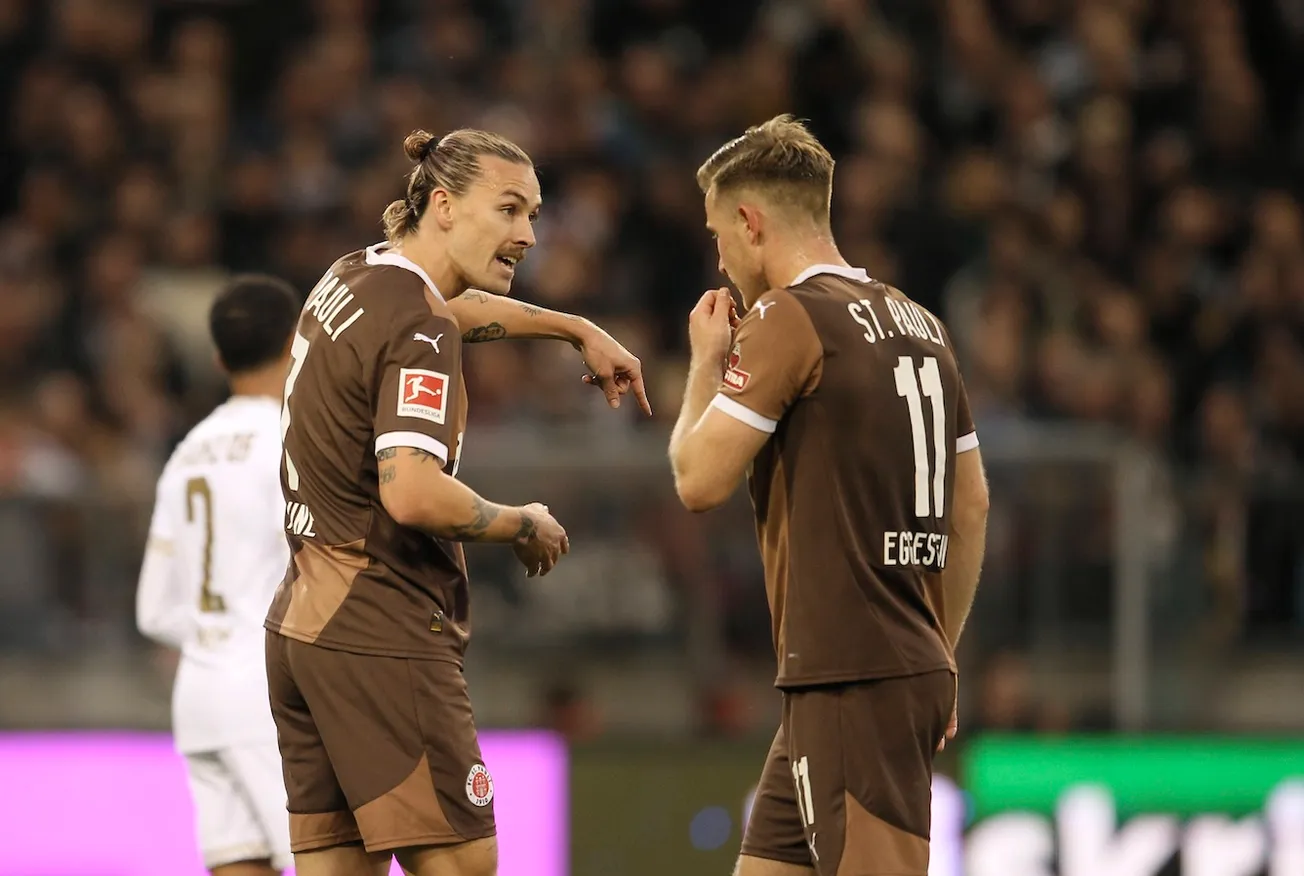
(484, 317)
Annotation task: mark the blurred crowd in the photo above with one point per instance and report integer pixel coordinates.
(1101, 197)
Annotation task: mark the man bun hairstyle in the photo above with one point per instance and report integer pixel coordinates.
(252, 320)
(781, 159)
(451, 163)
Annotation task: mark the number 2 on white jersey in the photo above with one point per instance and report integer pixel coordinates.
(910, 387)
(198, 488)
(298, 353)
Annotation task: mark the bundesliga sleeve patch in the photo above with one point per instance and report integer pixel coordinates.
(422, 394)
(734, 377)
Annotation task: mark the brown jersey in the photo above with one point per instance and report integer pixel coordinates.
(376, 365)
(859, 387)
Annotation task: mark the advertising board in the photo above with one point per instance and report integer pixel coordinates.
(1124, 806)
(92, 804)
(1024, 806)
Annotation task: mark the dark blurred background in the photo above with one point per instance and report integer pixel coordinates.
(1101, 198)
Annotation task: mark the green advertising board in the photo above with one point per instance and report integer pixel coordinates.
(1029, 806)
(1126, 806)
(1182, 775)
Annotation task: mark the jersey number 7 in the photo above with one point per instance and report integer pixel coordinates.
(298, 353)
(914, 388)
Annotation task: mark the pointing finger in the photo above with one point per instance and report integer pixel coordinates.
(640, 393)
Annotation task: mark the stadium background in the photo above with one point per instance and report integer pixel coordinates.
(1101, 197)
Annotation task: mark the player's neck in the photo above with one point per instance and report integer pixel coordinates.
(432, 257)
(264, 383)
(788, 259)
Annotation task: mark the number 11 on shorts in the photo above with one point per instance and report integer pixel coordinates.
(805, 801)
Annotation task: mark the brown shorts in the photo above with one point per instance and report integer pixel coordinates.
(847, 785)
(377, 750)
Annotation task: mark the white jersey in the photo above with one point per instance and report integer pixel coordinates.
(216, 553)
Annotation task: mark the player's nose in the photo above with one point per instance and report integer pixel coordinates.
(525, 234)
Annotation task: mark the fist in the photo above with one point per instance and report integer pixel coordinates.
(711, 324)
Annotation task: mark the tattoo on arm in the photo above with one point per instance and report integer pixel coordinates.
(527, 528)
(389, 471)
(485, 513)
(476, 295)
(479, 334)
(529, 309)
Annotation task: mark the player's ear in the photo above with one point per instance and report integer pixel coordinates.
(440, 208)
(752, 220)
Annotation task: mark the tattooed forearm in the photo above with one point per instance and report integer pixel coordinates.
(527, 528)
(476, 295)
(484, 514)
(494, 331)
(529, 309)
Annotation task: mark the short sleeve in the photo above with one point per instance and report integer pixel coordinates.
(966, 433)
(269, 485)
(415, 406)
(162, 521)
(161, 603)
(775, 360)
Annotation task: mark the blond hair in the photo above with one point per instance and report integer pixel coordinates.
(451, 163)
(780, 158)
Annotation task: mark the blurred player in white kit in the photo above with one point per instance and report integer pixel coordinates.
(216, 553)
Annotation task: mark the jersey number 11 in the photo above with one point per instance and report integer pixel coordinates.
(914, 388)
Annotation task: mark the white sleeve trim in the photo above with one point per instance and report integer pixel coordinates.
(965, 443)
(412, 439)
(744, 414)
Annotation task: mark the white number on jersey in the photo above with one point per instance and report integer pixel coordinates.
(298, 353)
(927, 384)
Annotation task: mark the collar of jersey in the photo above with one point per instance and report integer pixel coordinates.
(376, 257)
(860, 275)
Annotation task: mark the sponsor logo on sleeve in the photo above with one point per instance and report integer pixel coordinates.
(736, 378)
(422, 394)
